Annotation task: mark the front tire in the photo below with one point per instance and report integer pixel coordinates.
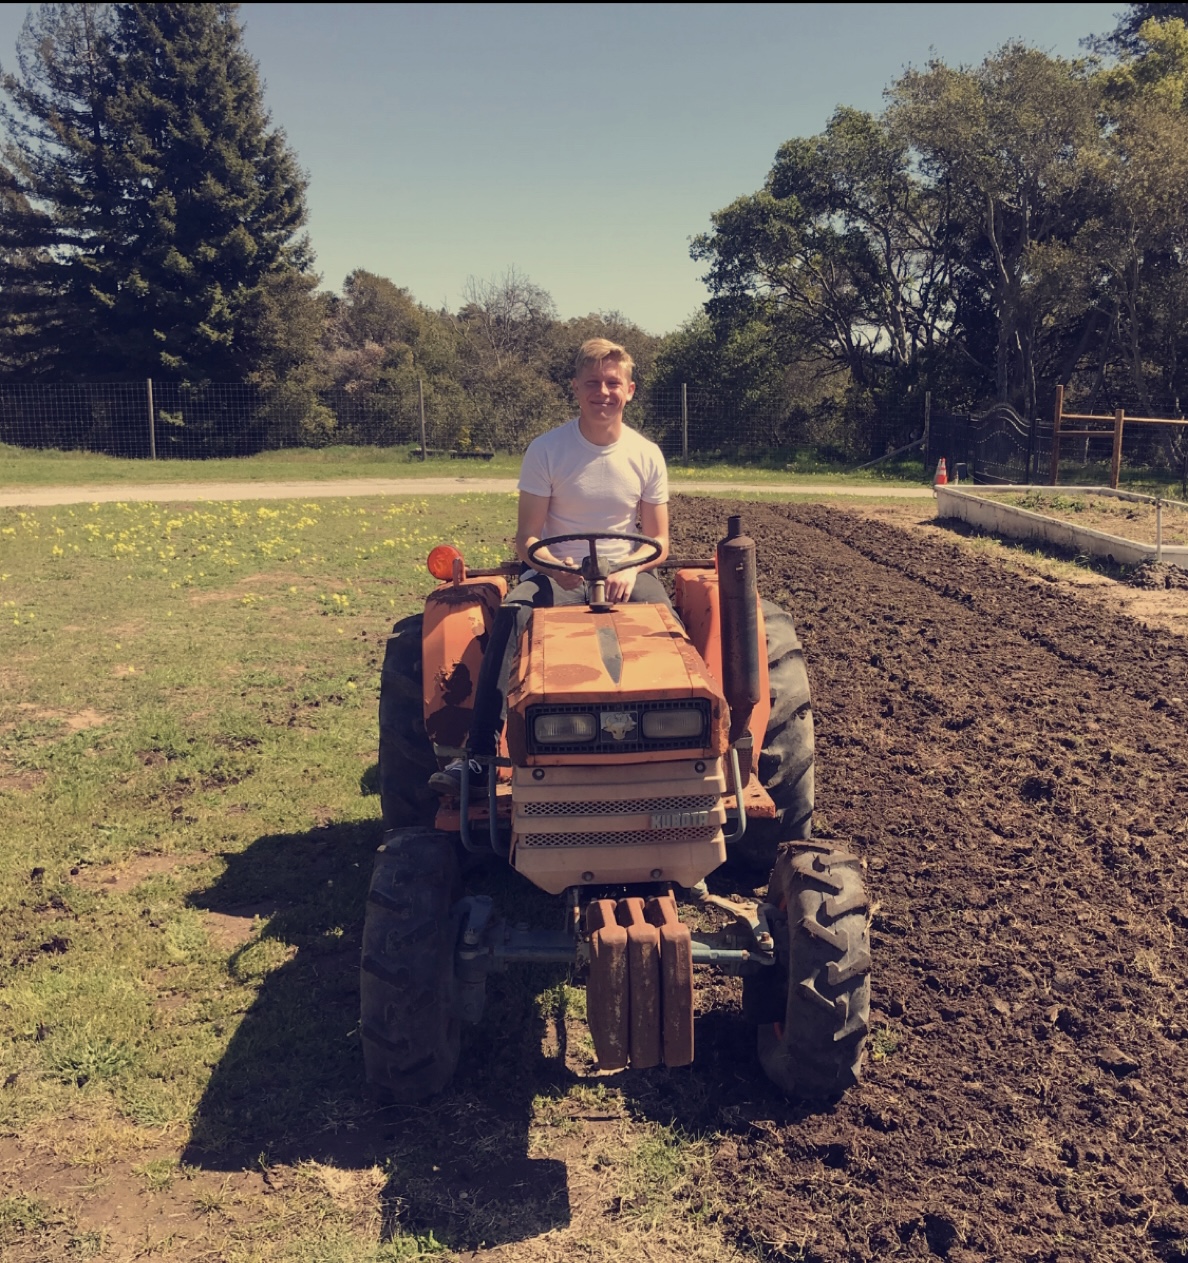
(407, 990)
(823, 944)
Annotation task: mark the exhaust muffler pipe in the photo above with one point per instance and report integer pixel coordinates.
(738, 609)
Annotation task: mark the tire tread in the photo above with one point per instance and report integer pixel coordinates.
(409, 1029)
(787, 760)
(818, 1049)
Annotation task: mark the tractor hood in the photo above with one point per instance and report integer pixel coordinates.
(616, 667)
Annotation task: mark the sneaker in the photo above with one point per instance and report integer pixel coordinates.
(449, 779)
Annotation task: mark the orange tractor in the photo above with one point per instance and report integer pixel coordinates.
(628, 772)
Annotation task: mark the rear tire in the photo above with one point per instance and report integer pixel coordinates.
(823, 945)
(406, 759)
(787, 760)
(407, 990)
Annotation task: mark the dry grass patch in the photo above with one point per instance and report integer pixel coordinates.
(121, 876)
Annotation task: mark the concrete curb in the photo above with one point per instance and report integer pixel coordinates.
(1015, 523)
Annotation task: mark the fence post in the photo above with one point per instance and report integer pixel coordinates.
(927, 427)
(421, 405)
(1055, 474)
(1032, 427)
(1116, 457)
(152, 421)
(684, 422)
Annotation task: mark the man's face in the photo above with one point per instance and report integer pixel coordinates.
(603, 390)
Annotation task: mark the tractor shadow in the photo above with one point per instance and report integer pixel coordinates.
(289, 1086)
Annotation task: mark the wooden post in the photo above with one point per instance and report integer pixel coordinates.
(152, 422)
(927, 426)
(421, 405)
(1158, 529)
(1116, 459)
(1055, 471)
(684, 421)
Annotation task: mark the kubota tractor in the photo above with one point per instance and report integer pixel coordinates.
(638, 752)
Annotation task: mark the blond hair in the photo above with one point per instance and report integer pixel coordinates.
(595, 350)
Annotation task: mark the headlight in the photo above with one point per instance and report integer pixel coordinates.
(667, 725)
(564, 729)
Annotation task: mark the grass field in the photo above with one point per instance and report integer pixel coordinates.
(187, 743)
(24, 468)
(20, 467)
(187, 732)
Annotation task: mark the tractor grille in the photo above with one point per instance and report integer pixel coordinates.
(632, 806)
(634, 837)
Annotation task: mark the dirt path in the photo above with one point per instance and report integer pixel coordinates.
(312, 489)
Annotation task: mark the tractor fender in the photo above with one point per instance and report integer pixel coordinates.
(454, 635)
(698, 602)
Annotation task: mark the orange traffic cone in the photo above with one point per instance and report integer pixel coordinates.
(942, 474)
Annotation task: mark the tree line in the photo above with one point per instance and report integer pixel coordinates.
(994, 230)
(152, 225)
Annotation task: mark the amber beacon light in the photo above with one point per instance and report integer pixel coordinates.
(441, 561)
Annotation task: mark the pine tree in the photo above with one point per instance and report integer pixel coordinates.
(59, 190)
(220, 194)
(162, 206)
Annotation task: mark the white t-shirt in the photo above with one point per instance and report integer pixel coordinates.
(592, 488)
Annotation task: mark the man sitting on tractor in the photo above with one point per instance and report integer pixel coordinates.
(592, 474)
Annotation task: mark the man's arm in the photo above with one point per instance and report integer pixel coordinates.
(532, 515)
(653, 521)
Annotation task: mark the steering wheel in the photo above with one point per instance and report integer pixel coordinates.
(593, 566)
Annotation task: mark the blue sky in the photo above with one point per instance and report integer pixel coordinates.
(448, 141)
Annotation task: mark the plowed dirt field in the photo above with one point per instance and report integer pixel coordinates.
(1010, 760)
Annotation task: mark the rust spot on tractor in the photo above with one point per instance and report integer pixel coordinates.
(608, 989)
(574, 673)
(643, 974)
(640, 990)
(676, 980)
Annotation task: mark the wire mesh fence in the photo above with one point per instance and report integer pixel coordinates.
(695, 422)
(174, 420)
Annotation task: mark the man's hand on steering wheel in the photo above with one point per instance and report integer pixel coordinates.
(570, 578)
(621, 580)
(619, 586)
